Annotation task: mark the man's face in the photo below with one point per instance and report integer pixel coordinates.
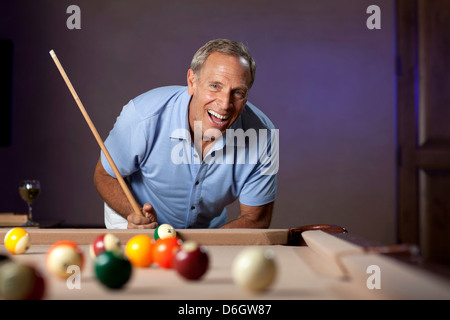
(219, 92)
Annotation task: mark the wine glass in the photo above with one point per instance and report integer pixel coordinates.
(29, 190)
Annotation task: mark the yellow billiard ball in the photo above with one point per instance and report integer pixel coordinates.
(138, 250)
(17, 240)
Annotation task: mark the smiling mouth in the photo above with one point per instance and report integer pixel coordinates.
(217, 118)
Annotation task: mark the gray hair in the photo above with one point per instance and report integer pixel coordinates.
(224, 46)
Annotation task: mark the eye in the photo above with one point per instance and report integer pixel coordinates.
(240, 94)
(214, 86)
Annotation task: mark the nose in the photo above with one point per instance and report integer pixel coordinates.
(225, 101)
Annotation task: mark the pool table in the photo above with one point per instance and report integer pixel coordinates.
(312, 263)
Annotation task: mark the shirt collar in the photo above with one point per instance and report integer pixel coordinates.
(179, 125)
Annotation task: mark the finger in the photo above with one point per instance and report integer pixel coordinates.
(137, 219)
(148, 207)
(152, 225)
(134, 218)
(150, 216)
(149, 212)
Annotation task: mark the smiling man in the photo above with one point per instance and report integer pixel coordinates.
(184, 152)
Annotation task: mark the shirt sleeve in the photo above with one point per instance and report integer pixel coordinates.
(259, 190)
(260, 187)
(126, 143)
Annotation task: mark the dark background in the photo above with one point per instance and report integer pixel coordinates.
(326, 81)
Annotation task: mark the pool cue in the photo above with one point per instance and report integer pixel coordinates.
(122, 183)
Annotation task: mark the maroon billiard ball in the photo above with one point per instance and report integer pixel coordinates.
(191, 261)
(20, 281)
(104, 242)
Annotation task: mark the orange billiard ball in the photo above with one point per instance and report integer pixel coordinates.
(17, 240)
(62, 255)
(164, 251)
(138, 250)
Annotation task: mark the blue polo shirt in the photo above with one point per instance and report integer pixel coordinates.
(152, 147)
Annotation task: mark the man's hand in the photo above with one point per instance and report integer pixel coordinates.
(147, 221)
(112, 193)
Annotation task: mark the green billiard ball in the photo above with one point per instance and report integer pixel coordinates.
(113, 269)
(164, 231)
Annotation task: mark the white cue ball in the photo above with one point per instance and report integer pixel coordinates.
(254, 269)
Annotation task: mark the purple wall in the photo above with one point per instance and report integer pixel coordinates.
(326, 81)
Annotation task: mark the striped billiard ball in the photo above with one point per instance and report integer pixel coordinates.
(17, 240)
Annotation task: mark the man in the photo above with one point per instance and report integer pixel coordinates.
(176, 147)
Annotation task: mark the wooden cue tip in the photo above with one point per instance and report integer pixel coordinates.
(52, 53)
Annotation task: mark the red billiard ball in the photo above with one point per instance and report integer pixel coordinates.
(191, 261)
(104, 242)
(61, 255)
(19, 281)
(164, 250)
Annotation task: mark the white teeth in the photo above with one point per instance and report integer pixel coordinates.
(215, 114)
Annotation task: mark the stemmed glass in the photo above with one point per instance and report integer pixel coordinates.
(29, 190)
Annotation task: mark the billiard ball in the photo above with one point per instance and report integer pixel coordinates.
(164, 250)
(20, 282)
(104, 242)
(17, 240)
(113, 269)
(61, 255)
(254, 269)
(164, 231)
(139, 251)
(191, 260)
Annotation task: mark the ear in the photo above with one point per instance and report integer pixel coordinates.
(191, 81)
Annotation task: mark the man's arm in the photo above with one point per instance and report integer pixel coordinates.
(111, 192)
(258, 217)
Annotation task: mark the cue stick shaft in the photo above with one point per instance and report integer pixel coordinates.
(122, 183)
